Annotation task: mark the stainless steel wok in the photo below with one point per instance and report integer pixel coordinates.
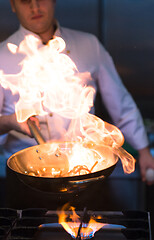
(36, 157)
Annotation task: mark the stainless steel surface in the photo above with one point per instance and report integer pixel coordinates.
(21, 162)
(29, 163)
(39, 223)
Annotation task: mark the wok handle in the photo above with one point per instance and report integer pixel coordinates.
(88, 180)
(35, 132)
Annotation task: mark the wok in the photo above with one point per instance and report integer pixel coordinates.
(38, 156)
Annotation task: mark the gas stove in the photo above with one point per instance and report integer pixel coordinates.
(41, 223)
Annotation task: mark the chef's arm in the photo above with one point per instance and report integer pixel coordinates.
(9, 122)
(145, 161)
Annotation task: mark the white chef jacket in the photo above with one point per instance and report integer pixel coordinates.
(89, 56)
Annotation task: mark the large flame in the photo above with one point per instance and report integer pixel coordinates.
(71, 221)
(49, 82)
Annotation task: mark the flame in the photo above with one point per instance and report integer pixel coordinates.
(70, 221)
(49, 82)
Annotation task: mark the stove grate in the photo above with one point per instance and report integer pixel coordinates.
(24, 225)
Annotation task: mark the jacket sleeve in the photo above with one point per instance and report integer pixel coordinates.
(4, 136)
(1, 98)
(119, 102)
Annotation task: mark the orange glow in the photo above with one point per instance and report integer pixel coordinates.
(49, 82)
(70, 221)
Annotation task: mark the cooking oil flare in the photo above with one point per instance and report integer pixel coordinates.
(49, 83)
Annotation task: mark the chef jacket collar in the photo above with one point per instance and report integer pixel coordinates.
(25, 31)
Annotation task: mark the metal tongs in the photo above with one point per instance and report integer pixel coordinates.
(78, 237)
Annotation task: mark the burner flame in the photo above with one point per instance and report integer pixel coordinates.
(71, 221)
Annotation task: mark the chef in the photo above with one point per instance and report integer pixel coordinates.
(36, 17)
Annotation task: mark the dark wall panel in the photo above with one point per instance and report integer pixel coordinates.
(8, 20)
(82, 15)
(129, 37)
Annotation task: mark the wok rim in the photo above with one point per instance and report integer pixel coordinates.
(67, 178)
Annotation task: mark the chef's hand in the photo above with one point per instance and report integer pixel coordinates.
(9, 122)
(146, 161)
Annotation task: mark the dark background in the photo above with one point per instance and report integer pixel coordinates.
(125, 27)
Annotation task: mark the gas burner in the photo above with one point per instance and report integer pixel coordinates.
(40, 223)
